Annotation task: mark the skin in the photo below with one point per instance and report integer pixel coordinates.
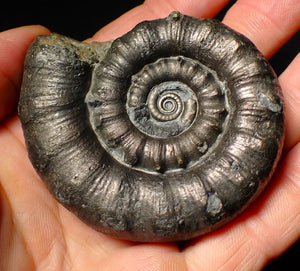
(36, 233)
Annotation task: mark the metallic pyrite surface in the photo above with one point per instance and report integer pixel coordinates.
(164, 134)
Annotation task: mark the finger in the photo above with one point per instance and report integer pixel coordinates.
(290, 83)
(263, 232)
(13, 46)
(267, 23)
(152, 9)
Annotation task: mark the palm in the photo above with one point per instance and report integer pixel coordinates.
(38, 233)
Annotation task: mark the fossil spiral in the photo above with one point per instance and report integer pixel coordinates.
(163, 134)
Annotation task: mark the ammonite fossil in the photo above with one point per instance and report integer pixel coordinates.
(164, 134)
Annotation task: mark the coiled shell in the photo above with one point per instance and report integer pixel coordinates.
(164, 134)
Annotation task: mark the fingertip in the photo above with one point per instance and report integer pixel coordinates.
(30, 31)
(35, 30)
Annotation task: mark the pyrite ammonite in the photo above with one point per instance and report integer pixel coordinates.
(163, 134)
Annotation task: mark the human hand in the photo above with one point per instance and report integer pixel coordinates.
(38, 233)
